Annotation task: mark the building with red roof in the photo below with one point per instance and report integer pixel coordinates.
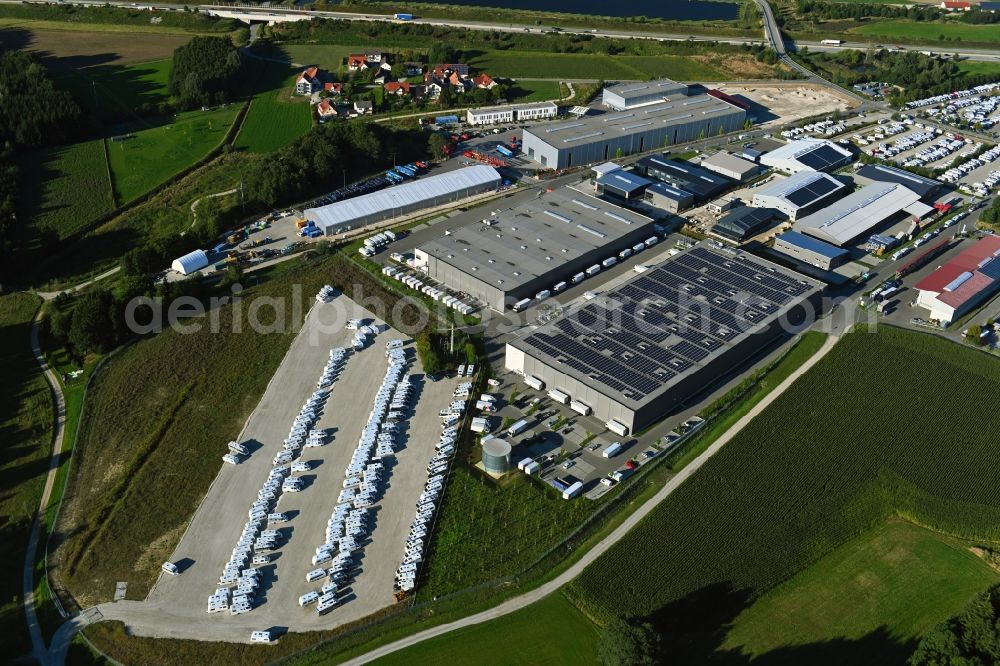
(399, 88)
(484, 81)
(357, 62)
(959, 6)
(958, 286)
(309, 81)
(326, 109)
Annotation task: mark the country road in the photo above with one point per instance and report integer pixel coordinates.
(38, 649)
(577, 568)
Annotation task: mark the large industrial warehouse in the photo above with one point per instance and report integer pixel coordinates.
(520, 251)
(968, 280)
(645, 348)
(859, 213)
(701, 183)
(799, 195)
(600, 138)
(402, 199)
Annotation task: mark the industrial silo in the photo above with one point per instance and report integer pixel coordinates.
(496, 455)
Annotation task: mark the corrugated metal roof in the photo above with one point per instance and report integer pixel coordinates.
(811, 244)
(406, 194)
(858, 212)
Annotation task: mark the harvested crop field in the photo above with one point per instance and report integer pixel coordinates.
(73, 49)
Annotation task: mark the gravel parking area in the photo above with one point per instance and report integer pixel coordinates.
(176, 607)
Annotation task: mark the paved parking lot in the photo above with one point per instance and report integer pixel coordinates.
(177, 605)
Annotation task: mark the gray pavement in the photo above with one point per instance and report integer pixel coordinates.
(176, 607)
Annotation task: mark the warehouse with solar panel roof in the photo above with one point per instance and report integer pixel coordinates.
(647, 346)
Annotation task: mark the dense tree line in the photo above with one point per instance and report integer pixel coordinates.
(443, 39)
(624, 643)
(32, 111)
(324, 157)
(32, 114)
(991, 215)
(206, 70)
(972, 637)
(918, 75)
(69, 13)
(820, 10)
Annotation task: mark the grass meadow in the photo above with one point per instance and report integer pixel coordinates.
(812, 472)
(931, 32)
(882, 578)
(276, 116)
(71, 187)
(111, 91)
(151, 155)
(551, 631)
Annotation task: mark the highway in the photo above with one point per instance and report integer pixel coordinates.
(259, 14)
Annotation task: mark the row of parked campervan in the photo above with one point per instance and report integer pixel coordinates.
(946, 98)
(375, 244)
(437, 468)
(437, 293)
(348, 527)
(583, 275)
(957, 172)
(257, 538)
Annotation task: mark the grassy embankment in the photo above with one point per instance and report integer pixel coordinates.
(798, 482)
(26, 421)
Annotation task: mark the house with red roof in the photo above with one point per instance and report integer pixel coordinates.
(326, 109)
(310, 80)
(398, 88)
(333, 88)
(957, 287)
(357, 62)
(484, 81)
(956, 6)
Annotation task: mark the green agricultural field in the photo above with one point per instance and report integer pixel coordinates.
(551, 631)
(70, 187)
(485, 530)
(25, 443)
(150, 156)
(937, 33)
(528, 64)
(679, 68)
(528, 90)
(330, 57)
(277, 116)
(807, 475)
(976, 68)
(882, 579)
(114, 91)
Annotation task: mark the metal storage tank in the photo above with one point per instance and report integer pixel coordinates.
(496, 455)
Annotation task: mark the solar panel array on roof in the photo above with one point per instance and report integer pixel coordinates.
(648, 331)
(811, 191)
(821, 158)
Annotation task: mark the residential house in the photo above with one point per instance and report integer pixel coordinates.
(484, 81)
(357, 62)
(383, 76)
(333, 88)
(310, 81)
(374, 55)
(413, 68)
(444, 70)
(363, 107)
(398, 88)
(956, 6)
(433, 88)
(326, 109)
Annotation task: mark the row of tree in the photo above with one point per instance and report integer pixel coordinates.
(971, 637)
(822, 10)
(328, 156)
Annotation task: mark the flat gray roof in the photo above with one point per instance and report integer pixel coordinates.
(534, 238)
(646, 334)
(731, 162)
(857, 213)
(513, 107)
(641, 89)
(587, 129)
(410, 193)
